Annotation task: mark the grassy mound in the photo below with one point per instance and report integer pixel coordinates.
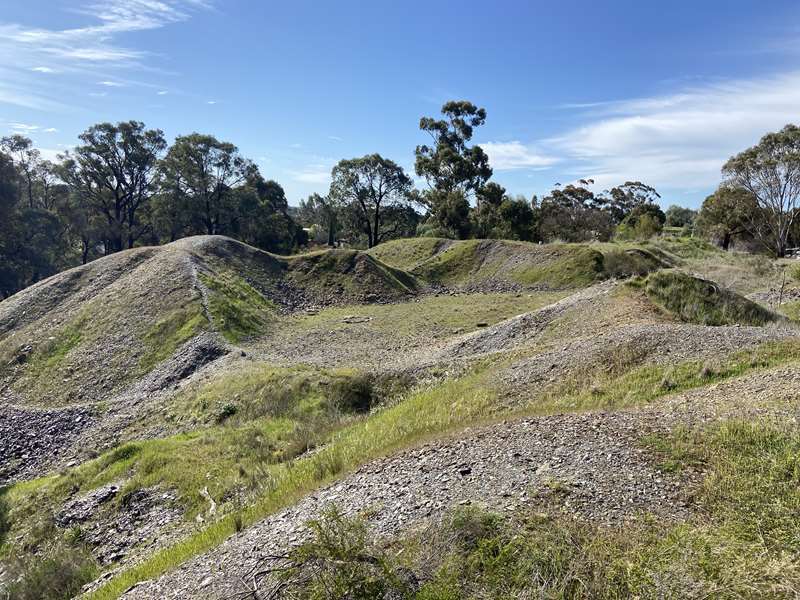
(557, 266)
(700, 301)
(350, 274)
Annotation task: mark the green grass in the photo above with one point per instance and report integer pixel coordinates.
(429, 315)
(406, 254)
(698, 301)
(350, 273)
(742, 541)
(431, 412)
(169, 333)
(238, 310)
(623, 381)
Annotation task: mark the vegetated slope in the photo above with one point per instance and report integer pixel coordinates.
(96, 345)
(257, 437)
(83, 334)
(502, 263)
(700, 301)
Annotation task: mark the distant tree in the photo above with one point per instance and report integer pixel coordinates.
(485, 217)
(371, 184)
(727, 214)
(454, 170)
(517, 219)
(262, 217)
(26, 158)
(321, 211)
(450, 164)
(202, 171)
(449, 214)
(624, 198)
(770, 172)
(574, 214)
(114, 171)
(678, 216)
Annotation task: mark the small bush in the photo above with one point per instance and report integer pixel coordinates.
(58, 575)
(352, 394)
(226, 411)
(341, 561)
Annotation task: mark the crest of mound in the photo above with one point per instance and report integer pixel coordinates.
(512, 264)
(93, 331)
(696, 300)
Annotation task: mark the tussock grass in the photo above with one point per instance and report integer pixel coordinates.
(623, 381)
(407, 253)
(705, 302)
(353, 273)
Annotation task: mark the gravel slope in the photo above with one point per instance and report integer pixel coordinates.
(597, 456)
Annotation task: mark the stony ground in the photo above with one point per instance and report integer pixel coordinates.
(593, 463)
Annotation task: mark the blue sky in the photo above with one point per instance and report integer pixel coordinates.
(661, 92)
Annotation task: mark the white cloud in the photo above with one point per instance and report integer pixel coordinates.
(162, 92)
(50, 130)
(679, 140)
(507, 156)
(335, 138)
(317, 173)
(23, 127)
(111, 83)
(81, 51)
(211, 102)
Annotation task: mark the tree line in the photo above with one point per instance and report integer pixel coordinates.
(123, 186)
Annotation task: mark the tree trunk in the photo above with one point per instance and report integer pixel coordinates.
(726, 240)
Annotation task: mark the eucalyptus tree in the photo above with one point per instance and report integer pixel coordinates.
(770, 173)
(114, 173)
(371, 184)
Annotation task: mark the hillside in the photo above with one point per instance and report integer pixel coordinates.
(172, 417)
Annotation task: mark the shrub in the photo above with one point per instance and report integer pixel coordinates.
(352, 394)
(341, 561)
(58, 575)
(226, 411)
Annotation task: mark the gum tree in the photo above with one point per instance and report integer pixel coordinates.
(770, 172)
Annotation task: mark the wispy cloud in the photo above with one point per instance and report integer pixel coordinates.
(211, 102)
(81, 51)
(319, 174)
(162, 92)
(682, 139)
(335, 138)
(507, 156)
(111, 83)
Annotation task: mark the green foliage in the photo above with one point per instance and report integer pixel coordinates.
(699, 301)
(58, 574)
(372, 185)
(768, 172)
(340, 561)
(237, 310)
(170, 332)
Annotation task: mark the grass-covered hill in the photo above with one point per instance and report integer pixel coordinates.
(164, 411)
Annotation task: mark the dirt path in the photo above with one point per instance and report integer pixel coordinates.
(596, 457)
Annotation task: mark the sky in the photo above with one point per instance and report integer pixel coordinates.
(614, 91)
